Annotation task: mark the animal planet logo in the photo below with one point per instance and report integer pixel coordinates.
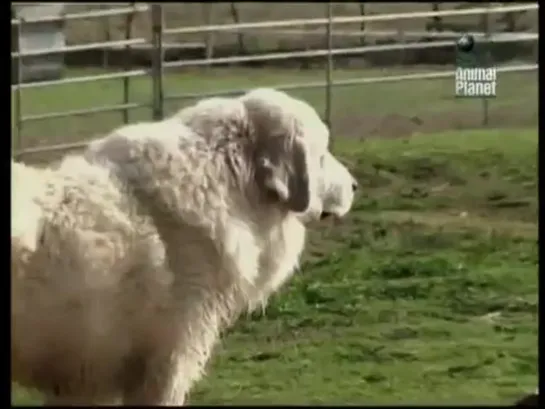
(473, 79)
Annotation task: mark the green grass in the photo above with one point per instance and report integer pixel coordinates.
(426, 293)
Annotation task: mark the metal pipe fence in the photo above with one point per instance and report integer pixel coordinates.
(351, 19)
(159, 32)
(125, 76)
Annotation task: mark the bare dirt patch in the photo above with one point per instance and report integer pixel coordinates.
(400, 126)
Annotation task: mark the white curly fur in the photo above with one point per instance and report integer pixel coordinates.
(158, 238)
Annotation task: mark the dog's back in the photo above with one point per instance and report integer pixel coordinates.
(74, 238)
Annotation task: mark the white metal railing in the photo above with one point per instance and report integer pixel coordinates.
(325, 52)
(79, 47)
(82, 15)
(349, 19)
(392, 33)
(260, 57)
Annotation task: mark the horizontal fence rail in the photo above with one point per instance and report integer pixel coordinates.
(325, 29)
(269, 57)
(355, 81)
(351, 19)
(80, 16)
(86, 111)
(80, 47)
(393, 33)
(82, 79)
(334, 52)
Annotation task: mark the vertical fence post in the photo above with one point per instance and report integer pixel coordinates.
(240, 34)
(107, 37)
(329, 64)
(127, 63)
(486, 30)
(209, 35)
(362, 24)
(157, 61)
(18, 97)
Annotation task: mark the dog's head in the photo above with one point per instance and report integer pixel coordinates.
(288, 149)
(291, 157)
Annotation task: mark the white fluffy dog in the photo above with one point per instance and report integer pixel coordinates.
(159, 238)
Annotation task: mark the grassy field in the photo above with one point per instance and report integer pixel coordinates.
(426, 293)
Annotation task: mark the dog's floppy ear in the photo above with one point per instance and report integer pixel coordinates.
(285, 173)
(280, 155)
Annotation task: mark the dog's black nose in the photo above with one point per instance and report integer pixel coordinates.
(354, 186)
